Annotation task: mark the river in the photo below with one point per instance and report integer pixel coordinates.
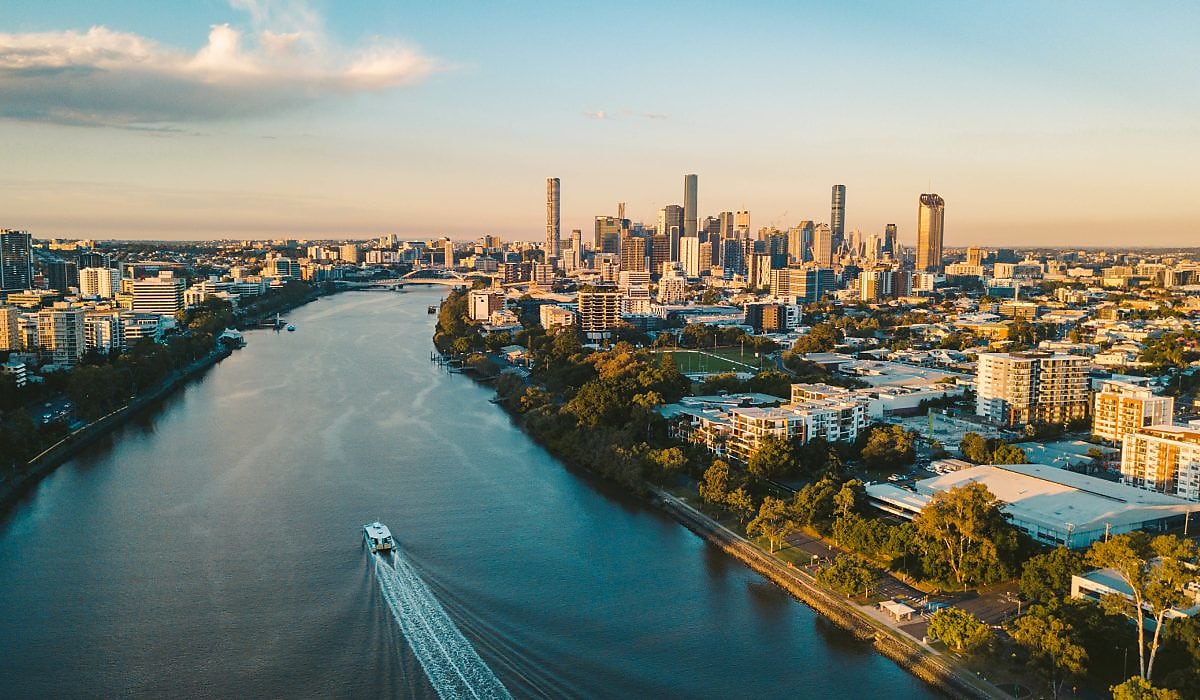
(213, 547)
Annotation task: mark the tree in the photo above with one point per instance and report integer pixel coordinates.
(1053, 645)
(773, 458)
(849, 575)
(740, 504)
(813, 504)
(1138, 688)
(1155, 571)
(822, 338)
(1046, 578)
(888, 447)
(973, 447)
(666, 463)
(965, 526)
(960, 630)
(715, 486)
(774, 521)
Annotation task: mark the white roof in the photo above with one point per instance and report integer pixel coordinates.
(1052, 497)
(897, 609)
(377, 530)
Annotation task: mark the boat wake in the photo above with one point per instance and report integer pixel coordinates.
(451, 663)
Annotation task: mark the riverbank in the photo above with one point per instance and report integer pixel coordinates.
(42, 464)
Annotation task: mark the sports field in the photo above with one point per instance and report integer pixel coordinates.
(713, 362)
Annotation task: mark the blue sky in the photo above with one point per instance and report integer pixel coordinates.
(1070, 123)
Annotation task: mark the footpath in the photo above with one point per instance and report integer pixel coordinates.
(922, 661)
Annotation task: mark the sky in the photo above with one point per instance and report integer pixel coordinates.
(1063, 123)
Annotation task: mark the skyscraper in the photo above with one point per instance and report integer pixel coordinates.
(16, 260)
(837, 217)
(823, 245)
(889, 241)
(930, 216)
(690, 185)
(741, 224)
(608, 235)
(553, 193)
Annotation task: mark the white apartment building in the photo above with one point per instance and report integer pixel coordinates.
(672, 287)
(599, 312)
(103, 331)
(101, 282)
(1031, 387)
(1163, 458)
(481, 303)
(1121, 408)
(61, 333)
(554, 316)
(10, 329)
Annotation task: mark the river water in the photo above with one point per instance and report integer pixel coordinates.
(214, 548)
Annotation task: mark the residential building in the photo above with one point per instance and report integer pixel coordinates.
(1031, 387)
(633, 253)
(689, 255)
(822, 246)
(930, 218)
(1163, 458)
(100, 282)
(481, 303)
(10, 329)
(62, 275)
(61, 333)
(690, 186)
(1121, 408)
(807, 284)
(16, 260)
(553, 205)
(554, 316)
(837, 217)
(599, 312)
(349, 252)
(672, 286)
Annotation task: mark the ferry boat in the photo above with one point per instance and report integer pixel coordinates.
(378, 537)
(432, 310)
(291, 328)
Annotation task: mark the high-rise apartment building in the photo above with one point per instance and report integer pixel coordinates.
(689, 255)
(975, 256)
(930, 216)
(16, 261)
(1163, 458)
(60, 333)
(806, 284)
(162, 295)
(1121, 408)
(10, 329)
(1031, 387)
(553, 203)
(92, 259)
(728, 223)
(350, 252)
(102, 282)
(61, 275)
(690, 187)
(799, 240)
(633, 253)
(599, 312)
(823, 243)
(837, 215)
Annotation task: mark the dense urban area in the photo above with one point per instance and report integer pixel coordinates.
(994, 452)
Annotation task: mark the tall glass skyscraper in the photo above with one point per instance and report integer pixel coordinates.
(690, 185)
(930, 216)
(16, 260)
(837, 217)
(553, 241)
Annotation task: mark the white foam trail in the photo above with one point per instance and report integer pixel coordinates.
(451, 663)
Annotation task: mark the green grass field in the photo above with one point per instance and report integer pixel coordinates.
(712, 362)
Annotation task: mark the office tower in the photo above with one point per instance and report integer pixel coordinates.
(890, 246)
(706, 256)
(62, 274)
(60, 333)
(10, 329)
(823, 246)
(350, 253)
(102, 282)
(620, 210)
(608, 235)
(690, 184)
(161, 295)
(733, 258)
(16, 260)
(799, 241)
(741, 224)
(671, 216)
(806, 284)
(837, 216)
(448, 254)
(1163, 458)
(727, 223)
(633, 253)
(1032, 387)
(599, 312)
(660, 252)
(1121, 408)
(930, 217)
(975, 256)
(552, 211)
(712, 227)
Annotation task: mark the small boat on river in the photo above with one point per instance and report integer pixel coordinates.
(378, 538)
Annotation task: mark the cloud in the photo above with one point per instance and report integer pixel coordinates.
(103, 77)
(623, 114)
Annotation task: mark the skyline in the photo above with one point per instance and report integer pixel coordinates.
(1057, 125)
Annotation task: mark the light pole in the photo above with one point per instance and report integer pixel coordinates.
(1070, 529)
